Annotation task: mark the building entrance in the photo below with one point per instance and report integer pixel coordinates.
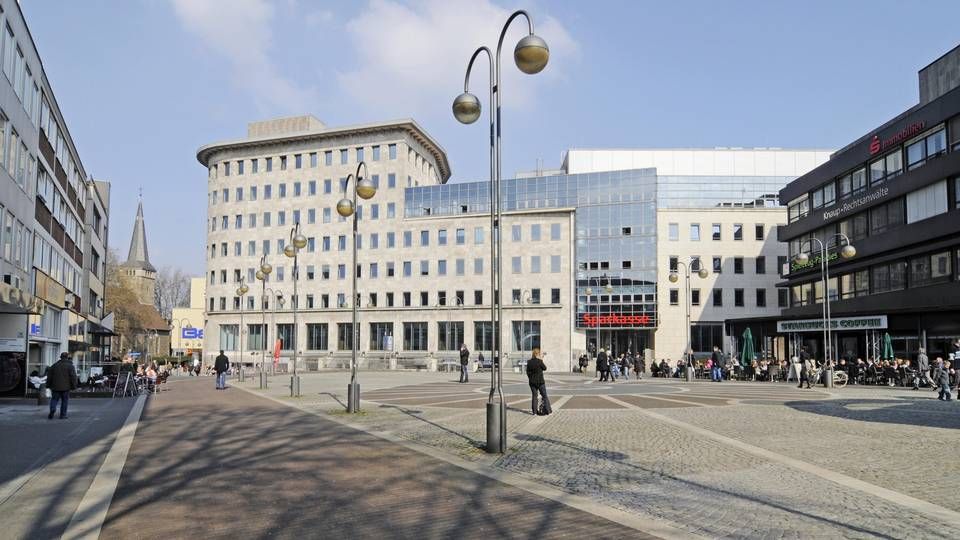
(618, 341)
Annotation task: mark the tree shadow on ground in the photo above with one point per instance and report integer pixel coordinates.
(919, 411)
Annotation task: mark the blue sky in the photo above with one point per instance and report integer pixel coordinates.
(144, 83)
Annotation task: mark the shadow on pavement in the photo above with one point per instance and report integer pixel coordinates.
(923, 410)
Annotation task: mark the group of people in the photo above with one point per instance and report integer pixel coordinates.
(612, 367)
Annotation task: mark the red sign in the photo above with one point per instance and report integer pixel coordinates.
(876, 145)
(616, 320)
(276, 352)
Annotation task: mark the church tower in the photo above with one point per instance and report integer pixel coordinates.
(142, 274)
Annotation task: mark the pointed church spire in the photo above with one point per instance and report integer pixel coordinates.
(138, 257)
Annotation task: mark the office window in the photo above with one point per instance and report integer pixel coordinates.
(344, 336)
(374, 240)
(478, 266)
(286, 337)
(239, 194)
(461, 236)
(341, 271)
(344, 156)
(442, 237)
(555, 264)
(376, 152)
(311, 216)
(251, 248)
(391, 180)
(254, 166)
(269, 163)
(761, 265)
(515, 265)
(738, 231)
(758, 232)
(927, 202)
(516, 233)
(442, 267)
(226, 168)
(925, 147)
(694, 263)
(930, 269)
(673, 264)
(761, 298)
(715, 231)
(717, 297)
(738, 265)
(478, 297)
(887, 217)
(717, 265)
(391, 239)
(298, 161)
(317, 336)
(282, 191)
(478, 231)
(674, 233)
(407, 268)
(695, 297)
(554, 231)
(328, 158)
(738, 297)
(392, 151)
(460, 266)
(391, 272)
(424, 298)
(535, 264)
(798, 209)
(237, 249)
(554, 296)
(674, 297)
(695, 232)
(281, 218)
(359, 154)
(535, 232)
(424, 238)
(783, 297)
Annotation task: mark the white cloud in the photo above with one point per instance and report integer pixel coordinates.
(411, 58)
(240, 31)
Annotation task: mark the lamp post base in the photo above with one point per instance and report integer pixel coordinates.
(353, 397)
(690, 374)
(295, 386)
(240, 374)
(828, 383)
(493, 428)
(263, 380)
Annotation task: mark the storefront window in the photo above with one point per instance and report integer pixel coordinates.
(415, 336)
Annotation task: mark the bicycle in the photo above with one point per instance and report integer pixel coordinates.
(840, 378)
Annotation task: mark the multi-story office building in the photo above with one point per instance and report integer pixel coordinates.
(187, 323)
(894, 194)
(717, 208)
(95, 247)
(43, 193)
(580, 246)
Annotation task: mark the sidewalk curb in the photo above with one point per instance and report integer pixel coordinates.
(643, 524)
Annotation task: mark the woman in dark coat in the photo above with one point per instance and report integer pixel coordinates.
(603, 365)
(535, 369)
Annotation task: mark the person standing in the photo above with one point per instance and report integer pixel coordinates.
(535, 369)
(603, 365)
(806, 370)
(923, 371)
(464, 362)
(221, 365)
(638, 366)
(625, 366)
(61, 379)
(716, 372)
(941, 376)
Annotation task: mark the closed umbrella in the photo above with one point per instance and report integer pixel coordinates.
(887, 353)
(746, 356)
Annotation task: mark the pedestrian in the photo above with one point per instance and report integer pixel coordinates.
(716, 372)
(480, 360)
(638, 367)
(625, 366)
(603, 365)
(941, 376)
(923, 371)
(464, 362)
(535, 369)
(806, 370)
(221, 365)
(61, 379)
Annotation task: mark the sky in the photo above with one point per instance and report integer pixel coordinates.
(143, 83)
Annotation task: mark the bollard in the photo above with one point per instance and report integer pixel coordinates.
(828, 381)
(295, 386)
(690, 374)
(353, 397)
(263, 380)
(241, 374)
(493, 428)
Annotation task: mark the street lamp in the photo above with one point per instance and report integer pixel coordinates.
(292, 250)
(674, 277)
(181, 327)
(608, 288)
(530, 55)
(346, 207)
(262, 274)
(847, 251)
(241, 291)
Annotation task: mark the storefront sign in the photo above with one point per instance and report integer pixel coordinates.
(877, 146)
(48, 289)
(877, 322)
(848, 206)
(594, 321)
(811, 262)
(191, 333)
(13, 344)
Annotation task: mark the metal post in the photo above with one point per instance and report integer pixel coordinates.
(353, 391)
(688, 301)
(295, 304)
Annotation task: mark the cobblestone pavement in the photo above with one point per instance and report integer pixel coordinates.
(638, 448)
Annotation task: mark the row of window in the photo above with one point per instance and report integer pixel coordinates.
(760, 297)
(253, 193)
(759, 266)
(915, 272)
(534, 266)
(716, 232)
(389, 300)
(916, 206)
(237, 167)
(912, 154)
(450, 335)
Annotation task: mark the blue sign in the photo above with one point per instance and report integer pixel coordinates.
(191, 333)
(34, 329)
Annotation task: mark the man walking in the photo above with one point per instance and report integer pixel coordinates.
(61, 379)
(221, 365)
(941, 376)
(923, 371)
(716, 372)
(603, 365)
(464, 362)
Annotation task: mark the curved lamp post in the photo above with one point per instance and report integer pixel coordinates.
(530, 55)
(674, 277)
(346, 207)
(241, 291)
(262, 273)
(847, 251)
(292, 250)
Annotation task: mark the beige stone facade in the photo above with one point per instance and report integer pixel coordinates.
(190, 319)
(675, 238)
(419, 273)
